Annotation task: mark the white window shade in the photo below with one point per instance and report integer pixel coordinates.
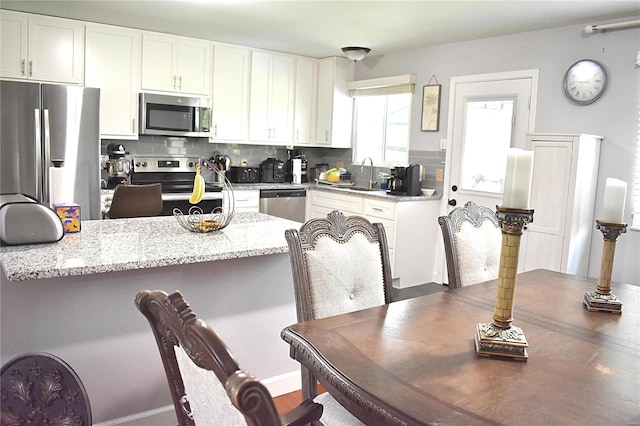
(394, 85)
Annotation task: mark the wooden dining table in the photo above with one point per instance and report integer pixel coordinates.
(414, 361)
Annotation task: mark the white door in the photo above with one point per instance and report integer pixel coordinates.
(488, 115)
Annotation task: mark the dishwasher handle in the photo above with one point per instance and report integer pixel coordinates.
(282, 193)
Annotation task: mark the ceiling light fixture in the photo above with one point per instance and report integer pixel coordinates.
(355, 53)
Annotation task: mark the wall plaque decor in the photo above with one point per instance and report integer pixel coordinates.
(431, 106)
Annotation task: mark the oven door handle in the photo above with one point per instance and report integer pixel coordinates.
(185, 196)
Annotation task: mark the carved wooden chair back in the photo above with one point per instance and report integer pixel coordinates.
(136, 201)
(40, 388)
(472, 240)
(207, 385)
(340, 264)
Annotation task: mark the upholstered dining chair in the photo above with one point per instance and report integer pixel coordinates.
(136, 201)
(207, 385)
(472, 240)
(339, 264)
(41, 389)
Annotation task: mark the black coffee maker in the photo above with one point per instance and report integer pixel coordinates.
(405, 180)
(297, 154)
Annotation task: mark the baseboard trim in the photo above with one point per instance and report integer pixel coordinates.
(277, 385)
(284, 383)
(132, 419)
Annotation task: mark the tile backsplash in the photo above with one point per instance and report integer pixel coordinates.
(432, 161)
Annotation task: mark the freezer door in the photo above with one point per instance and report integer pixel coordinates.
(71, 135)
(20, 146)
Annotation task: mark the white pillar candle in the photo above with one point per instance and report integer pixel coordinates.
(517, 180)
(615, 196)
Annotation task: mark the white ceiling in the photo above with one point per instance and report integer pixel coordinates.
(319, 28)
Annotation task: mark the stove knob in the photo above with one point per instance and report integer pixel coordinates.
(191, 164)
(144, 164)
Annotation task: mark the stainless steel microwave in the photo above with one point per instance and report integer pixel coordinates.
(174, 115)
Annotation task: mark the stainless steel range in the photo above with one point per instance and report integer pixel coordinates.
(176, 175)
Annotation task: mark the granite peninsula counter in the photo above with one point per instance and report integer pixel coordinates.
(127, 244)
(75, 299)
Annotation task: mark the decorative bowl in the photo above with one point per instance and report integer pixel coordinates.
(428, 191)
(196, 220)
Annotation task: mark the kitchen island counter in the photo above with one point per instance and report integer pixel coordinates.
(75, 299)
(127, 244)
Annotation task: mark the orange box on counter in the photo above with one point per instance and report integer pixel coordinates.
(69, 214)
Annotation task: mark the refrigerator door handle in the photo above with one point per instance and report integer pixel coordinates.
(47, 157)
(37, 130)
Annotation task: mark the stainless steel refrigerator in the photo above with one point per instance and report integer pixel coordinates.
(46, 126)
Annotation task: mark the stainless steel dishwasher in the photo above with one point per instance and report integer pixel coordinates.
(285, 203)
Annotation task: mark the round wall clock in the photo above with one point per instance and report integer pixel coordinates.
(584, 82)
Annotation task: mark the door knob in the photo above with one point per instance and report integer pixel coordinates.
(452, 202)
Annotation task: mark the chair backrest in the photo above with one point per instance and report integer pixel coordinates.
(207, 385)
(472, 240)
(40, 388)
(136, 201)
(340, 264)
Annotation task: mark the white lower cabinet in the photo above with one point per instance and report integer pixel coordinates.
(411, 228)
(563, 192)
(246, 200)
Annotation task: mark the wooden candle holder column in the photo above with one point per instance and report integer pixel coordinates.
(500, 337)
(602, 299)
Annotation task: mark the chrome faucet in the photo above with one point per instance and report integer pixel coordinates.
(371, 181)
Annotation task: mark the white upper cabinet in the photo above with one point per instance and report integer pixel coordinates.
(334, 103)
(230, 114)
(112, 63)
(176, 64)
(305, 109)
(272, 91)
(41, 48)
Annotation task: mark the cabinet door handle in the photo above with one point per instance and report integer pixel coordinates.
(30, 68)
(378, 209)
(326, 136)
(133, 124)
(215, 129)
(180, 83)
(22, 67)
(174, 82)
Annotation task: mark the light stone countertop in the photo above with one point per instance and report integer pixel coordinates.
(126, 244)
(380, 194)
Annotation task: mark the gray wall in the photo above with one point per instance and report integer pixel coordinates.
(614, 116)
